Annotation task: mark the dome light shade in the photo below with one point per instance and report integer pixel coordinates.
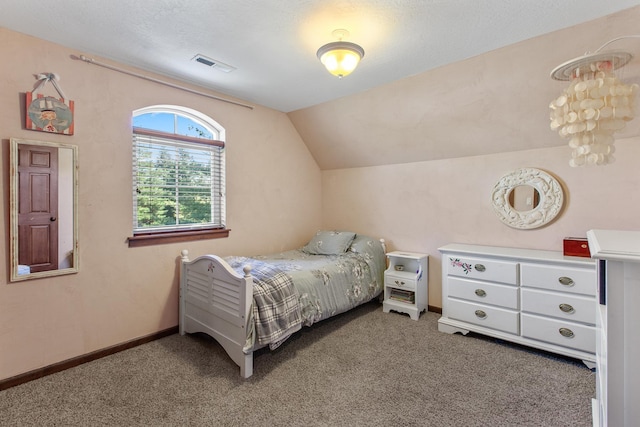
(340, 58)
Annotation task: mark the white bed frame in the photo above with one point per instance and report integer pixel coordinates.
(216, 300)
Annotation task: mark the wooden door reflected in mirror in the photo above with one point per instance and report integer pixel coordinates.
(43, 209)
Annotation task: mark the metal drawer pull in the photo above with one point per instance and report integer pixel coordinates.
(566, 332)
(567, 281)
(481, 314)
(566, 308)
(481, 293)
(480, 267)
(398, 282)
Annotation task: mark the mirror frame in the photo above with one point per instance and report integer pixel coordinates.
(549, 206)
(13, 209)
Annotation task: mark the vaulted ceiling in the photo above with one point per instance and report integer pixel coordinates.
(439, 78)
(272, 44)
(497, 102)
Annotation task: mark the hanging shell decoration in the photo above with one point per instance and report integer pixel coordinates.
(594, 106)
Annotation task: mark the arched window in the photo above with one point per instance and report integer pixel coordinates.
(178, 176)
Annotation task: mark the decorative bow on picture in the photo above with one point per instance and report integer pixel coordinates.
(43, 78)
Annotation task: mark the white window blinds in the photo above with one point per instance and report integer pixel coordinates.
(178, 182)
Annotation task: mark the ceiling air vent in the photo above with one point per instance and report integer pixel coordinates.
(220, 66)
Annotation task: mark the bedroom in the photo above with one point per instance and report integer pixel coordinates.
(416, 206)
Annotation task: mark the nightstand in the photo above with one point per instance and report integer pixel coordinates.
(405, 283)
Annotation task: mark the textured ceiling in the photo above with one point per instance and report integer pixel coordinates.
(272, 44)
(493, 103)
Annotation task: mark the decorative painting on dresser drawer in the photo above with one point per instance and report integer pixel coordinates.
(575, 308)
(559, 278)
(484, 293)
(484, 315)
(559, 332)
(483, 269)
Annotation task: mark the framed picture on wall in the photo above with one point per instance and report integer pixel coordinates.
(49, 114)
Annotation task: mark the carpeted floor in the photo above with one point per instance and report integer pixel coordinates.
(362, 368)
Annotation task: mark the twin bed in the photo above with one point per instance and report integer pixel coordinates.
(249, 303)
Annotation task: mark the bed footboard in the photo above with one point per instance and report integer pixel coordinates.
(214, 299)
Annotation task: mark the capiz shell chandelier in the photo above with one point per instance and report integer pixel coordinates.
(594, 106)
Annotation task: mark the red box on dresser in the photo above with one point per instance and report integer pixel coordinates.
(576, 246)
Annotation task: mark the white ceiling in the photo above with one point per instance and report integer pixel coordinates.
(273, 43)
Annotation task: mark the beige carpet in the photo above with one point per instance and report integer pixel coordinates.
(363, 368)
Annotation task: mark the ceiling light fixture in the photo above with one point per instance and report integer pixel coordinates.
(340, 58)
(594, 106)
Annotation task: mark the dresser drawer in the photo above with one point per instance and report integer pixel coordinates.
(483, 269)
(483, 315)
(401, 281)
(559, 278)
(571, 307)
(484, 293)
(559, 332)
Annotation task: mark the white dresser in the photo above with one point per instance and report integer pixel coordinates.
(617, 401)
(536, 298)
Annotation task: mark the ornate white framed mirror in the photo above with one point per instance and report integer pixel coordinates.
(527, 198)
(43, 209)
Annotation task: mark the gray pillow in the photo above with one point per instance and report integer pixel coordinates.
(364, 244)
(329, 243)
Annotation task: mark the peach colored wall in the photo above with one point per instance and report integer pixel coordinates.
(488, 104)
(421, 206)
(273, 203)
(414, 161)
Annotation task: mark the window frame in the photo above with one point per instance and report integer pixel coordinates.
(153, 237)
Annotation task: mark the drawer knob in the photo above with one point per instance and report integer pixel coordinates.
(566, 281)
(481, 293)
(399, 282)
(481, 314)
(480, 267)
(566, 308)
(566, 332)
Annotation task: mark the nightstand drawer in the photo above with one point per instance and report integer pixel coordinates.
(484, 293)
(571, 307)
(483, 269)
(559, 278)
(483, 315)
(402, 281)
(566, 334)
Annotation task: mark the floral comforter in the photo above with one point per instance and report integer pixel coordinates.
(327, 285)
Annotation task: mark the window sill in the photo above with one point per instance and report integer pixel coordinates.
(176, 237)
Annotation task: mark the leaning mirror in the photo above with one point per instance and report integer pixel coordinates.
(527, 198)
(43, 205)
